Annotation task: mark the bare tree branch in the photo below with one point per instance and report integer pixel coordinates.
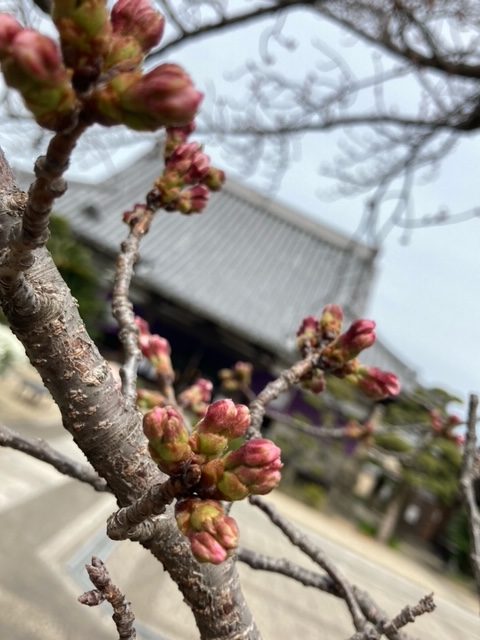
(122, 308)
(300, 540)
(43, 451)
(409, 613)
(125, 523)
(285, 567)
(469, 475)
(105, 590)
(285, 381)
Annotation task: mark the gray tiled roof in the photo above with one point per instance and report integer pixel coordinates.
(251, 265)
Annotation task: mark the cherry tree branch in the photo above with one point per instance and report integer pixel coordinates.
(287, 379)
(125, 522)
(122, 308)
(300, 540)
(470, 474)
(123, 615)
(41, 450)
(308, 578)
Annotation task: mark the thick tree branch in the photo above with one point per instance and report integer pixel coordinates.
(125, 522)
(108, 432)
(469, 475)
(43, 451)
(105, 590)
(300, 540)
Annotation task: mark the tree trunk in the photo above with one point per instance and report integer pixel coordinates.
(391, 517)
(44, 316)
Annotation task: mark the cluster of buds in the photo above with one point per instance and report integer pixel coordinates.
(337, 354)
(315, 332)
(237, 378)
(157, 351)
(96, 74)
(188, 177)
(443, 426)
(32, 63)
(212, 534)
(197, 397)
(232, 468)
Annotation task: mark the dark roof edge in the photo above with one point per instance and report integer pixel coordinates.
(298, 219)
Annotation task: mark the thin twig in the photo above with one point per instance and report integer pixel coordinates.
(43, 451)
(300, 540)
(285, 381)
(468, 477)
(134, 521)
(123, 615)
(408, 614)
(122, 308)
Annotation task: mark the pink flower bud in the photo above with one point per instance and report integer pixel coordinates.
(315, 382)
(348, 345)
(258, 452)
(212, 534)
(137, 18)
(147, 399)
(156, 349)
(206, 549)
(254, 468)
(197, 397)
(9, 28)
(194, 199)
(168, 439)
(453, 421)
(143, 327)
(189, 161)
(163, 97)
(307, 334)
(38, 57)
(240, 377)
(331, 321)
(436, 420)
(375, 383)
(225, 418)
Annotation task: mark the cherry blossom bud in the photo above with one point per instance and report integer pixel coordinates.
(206, 549)
(168, 439)
(189, 161)
(377, 384)
(225, 418)
(85, 32)
(177, 136)
(453, 421)
(194, 199)
(9, 28)
(307, 334)
(212, 534)
(156, 349)
(315, 382)
(163, 97)
(331, 321)
(32, 64)
(348, 345)
(214, 179)
(254, 468)
(197, 397)
(139, 19)
(147, 399)
(124, 53)
(237, 378)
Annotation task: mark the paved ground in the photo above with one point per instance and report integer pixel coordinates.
(51, 527)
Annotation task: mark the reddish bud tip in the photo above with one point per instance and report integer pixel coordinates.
(226, 418)
(377, 384)
(139, 19)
